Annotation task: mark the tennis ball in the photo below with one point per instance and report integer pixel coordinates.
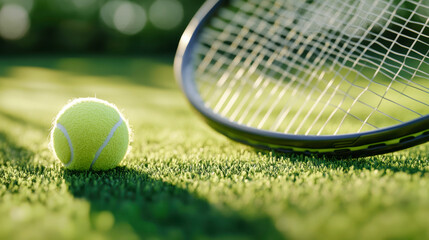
(89, 133)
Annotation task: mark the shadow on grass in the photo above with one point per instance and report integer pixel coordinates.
(22, 121)
(154, 208)
(149, 207)
(378, 162)
(19, 158)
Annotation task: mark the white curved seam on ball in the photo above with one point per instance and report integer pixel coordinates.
(112, 131)
(64, 131)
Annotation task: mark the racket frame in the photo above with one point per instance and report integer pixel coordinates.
(367, 143)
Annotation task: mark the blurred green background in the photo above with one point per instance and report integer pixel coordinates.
(181, 179)
(93, 26)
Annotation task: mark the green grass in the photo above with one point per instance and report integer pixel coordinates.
(182, 180)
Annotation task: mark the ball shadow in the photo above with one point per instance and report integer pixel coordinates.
(147, 206)
(154, 208)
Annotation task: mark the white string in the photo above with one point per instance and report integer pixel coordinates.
(320, 68)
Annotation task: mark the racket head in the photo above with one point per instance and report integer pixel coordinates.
(365, 143)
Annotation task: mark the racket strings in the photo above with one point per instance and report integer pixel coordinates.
(327, 51)
(382, 98)
(369, 33)
(266, 71)
(397, 73)
(230, 48)
(339, 53)
(246, 111)
(258, 58)
(420, 87)
(392, 65)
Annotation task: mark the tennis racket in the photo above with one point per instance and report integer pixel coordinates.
(331, 77)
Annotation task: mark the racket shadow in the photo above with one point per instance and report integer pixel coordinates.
(402, 162)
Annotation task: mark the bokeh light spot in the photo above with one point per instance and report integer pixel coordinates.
(166, 14)
(14, 22)
(27, 4)
(127, 17)
(107, 11)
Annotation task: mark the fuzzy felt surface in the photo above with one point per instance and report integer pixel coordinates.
(88, 122)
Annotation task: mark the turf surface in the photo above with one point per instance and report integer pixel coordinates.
(181, 180)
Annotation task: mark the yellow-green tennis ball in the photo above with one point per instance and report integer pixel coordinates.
(90, 133)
